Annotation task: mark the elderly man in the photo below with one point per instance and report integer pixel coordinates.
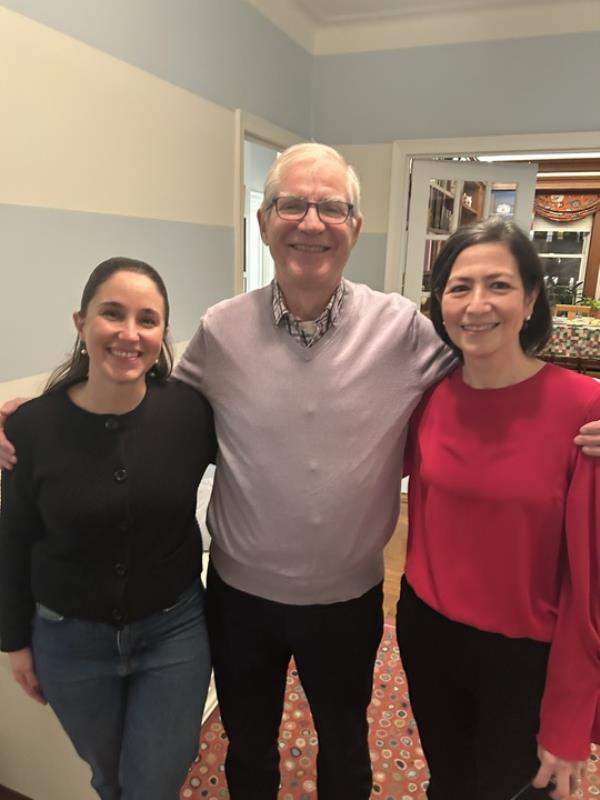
(312, 381)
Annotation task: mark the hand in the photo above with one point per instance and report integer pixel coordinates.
(8, 456)
(566, 775)
(21, 663)
(589, 438)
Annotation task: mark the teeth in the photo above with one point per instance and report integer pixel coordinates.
(487, 327)
(124, 353)
(310, 248)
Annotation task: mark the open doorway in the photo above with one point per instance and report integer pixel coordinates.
(562, 219)
(400, 271)
(553, 198)
(260, 141)
(258, 264)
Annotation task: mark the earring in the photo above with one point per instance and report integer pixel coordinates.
(83, 351)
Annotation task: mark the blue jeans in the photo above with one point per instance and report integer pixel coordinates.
(130, 699)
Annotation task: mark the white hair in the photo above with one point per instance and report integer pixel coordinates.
(309, 151)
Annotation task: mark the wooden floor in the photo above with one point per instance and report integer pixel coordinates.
(394, 563)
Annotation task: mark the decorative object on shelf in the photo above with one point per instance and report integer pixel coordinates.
(566, 207)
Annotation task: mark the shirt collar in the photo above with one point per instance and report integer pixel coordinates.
(329, 314)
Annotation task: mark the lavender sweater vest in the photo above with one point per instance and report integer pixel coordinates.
(311, 440)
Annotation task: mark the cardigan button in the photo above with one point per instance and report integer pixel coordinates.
(121, 570)
(117, 614)
(120, 475)
(112, 424)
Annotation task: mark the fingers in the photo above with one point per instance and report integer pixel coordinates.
(29, 683)
(589, 438)
(591, 451)
(565, 775)
(591, 427)
(7, 452)
(543, 776)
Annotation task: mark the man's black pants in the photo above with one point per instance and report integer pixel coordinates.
(334, 646)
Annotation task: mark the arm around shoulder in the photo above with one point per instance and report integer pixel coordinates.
(8, 457)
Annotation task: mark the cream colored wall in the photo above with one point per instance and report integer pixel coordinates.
(36, 758)
(83, 130)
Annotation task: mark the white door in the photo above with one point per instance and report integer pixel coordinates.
(446, 195)
(259, 264)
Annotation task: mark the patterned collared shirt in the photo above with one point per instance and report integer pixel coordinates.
(308, 333)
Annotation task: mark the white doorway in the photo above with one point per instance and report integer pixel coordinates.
(250, 129)
(446, 195)
(258, 264)
(405, 151)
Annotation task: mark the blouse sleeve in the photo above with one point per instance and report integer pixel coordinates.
(20, 524)
(570, 706)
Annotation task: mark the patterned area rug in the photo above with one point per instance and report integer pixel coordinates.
(399, 768)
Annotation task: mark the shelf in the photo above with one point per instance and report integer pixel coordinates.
(475, 211)
(438, 188)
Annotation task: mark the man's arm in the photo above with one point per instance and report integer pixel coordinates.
(8, 457)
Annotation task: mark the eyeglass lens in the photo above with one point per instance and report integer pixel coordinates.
(297, 207)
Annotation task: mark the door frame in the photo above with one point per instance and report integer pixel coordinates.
(259, 130)
(403, 150)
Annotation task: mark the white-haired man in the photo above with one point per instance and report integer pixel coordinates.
(312, 381)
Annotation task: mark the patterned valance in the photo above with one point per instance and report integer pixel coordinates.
(566, 207)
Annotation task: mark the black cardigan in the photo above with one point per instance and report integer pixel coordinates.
(98, 516)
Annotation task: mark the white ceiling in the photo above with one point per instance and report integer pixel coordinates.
(333, 12)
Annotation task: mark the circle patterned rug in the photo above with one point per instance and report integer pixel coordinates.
(399, 767)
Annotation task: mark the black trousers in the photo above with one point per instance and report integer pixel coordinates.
(334, 646)
(476, 699)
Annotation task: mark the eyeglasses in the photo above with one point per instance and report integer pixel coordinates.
(332, 212)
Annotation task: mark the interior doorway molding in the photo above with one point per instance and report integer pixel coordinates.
(255, 129)
(403, 150)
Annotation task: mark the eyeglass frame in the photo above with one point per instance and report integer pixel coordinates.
(309, 205)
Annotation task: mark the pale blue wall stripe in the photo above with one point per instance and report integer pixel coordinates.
(535, 85)
(46, 256)
(367, 261)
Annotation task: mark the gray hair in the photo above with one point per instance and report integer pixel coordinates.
(309, 151)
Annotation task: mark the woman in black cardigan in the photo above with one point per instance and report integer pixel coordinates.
(101, 605)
